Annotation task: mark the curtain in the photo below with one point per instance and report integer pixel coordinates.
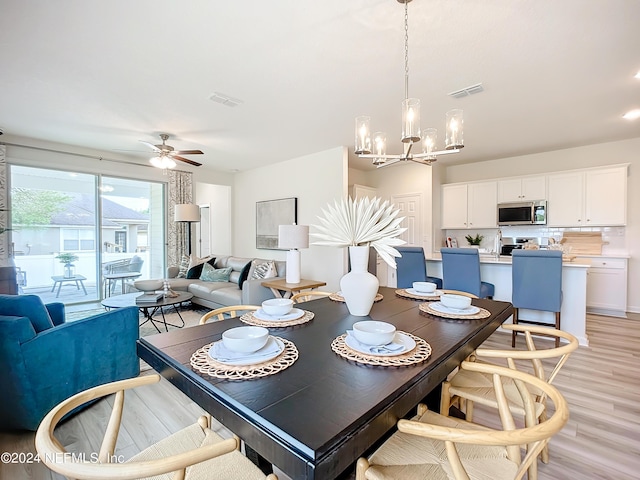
(4, 205)
(180, 191)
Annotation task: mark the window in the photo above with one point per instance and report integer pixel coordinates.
(77, 240)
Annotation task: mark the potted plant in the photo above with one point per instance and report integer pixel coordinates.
(360, 224)
(474, 241)
(67, 260)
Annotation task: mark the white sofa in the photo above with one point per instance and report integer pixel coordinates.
(222, 294)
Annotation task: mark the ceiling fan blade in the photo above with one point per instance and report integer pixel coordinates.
(188, 152)
(150, 145)
(185, 160)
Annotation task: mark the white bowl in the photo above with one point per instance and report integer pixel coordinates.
(452, 300)
(424, 287)
(277, 306)
(374, 333)
(245, 339)
(148, 285)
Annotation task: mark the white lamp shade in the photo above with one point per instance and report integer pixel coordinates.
(293, 236)
(187, 212)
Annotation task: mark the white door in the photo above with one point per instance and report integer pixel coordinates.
(203, 232)
(409, 206)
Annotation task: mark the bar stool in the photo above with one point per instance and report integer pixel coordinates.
(461, 271)
(537, 285)
(411, 267)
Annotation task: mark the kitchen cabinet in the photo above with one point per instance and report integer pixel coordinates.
(596, 197)
(469, 205)
(607, 286)
(522, 189)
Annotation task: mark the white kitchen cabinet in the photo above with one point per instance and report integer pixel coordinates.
(522, 189)
(469, 205)
(607, 286)
(596, 197)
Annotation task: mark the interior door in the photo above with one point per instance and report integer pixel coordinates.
(203, 232)
(410, 207)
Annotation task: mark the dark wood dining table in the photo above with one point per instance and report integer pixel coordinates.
(315, 418)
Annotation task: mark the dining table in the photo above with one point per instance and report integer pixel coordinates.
(316, 417)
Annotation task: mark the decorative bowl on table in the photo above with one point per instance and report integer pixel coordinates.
(451, 300)
(424, 287)
(373, 332)
(148, 286)
(277, 306)
(245, 339)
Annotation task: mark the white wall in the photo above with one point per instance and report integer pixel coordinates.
(627, 151)
(315, 180)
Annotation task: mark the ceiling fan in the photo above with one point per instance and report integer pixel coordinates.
(167, 154)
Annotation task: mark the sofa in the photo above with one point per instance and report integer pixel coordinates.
(44, 360)
(236, 291)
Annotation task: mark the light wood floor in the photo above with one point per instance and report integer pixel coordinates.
(601, 441)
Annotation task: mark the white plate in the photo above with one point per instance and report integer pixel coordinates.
(294, 314)
(271, 350)
(408, 343)
(439, 307)
(413, 291)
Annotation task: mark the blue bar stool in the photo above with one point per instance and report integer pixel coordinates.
(461, 271)
(411, 267)
(537, 285)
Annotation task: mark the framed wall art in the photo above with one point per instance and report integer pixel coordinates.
(269, 215)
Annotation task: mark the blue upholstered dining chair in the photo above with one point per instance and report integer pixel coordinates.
(537, 285)
(412, 267)
(45, 360)
(461, 271)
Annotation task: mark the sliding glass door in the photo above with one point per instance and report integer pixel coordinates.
(68, 227)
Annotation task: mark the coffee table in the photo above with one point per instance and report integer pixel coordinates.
(77, 279)
(149, 309)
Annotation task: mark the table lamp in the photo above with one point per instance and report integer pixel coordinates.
(189, 213)
(293, 237)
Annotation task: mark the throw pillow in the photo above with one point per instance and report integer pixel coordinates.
(196, 270)
(210, 274)
(244, 274)
(29, 306)
(262, 269)
(184, 266)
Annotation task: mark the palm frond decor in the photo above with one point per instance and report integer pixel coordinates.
(362, 222)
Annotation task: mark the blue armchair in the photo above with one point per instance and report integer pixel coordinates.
(44, 360)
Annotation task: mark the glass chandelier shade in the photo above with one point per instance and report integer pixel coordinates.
(363, 135)
(410, 120)
(455, 124)
(379, 148)
(429, 142)
(163, 162)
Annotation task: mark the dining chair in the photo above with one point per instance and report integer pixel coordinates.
(536, 285)
(468, 387)
(412, 267)
(431, 445)
(223, 313)
(461, 271)
(195, 452)
(301, 297)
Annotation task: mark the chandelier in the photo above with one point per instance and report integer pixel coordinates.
(375, 147)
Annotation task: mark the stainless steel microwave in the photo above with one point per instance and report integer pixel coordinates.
(523, 213)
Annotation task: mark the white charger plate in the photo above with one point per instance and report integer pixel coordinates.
(439, 307)
(294, 314)
(408, 343)
(413, 291)
(255, 357)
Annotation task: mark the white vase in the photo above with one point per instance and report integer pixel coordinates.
(359, 287)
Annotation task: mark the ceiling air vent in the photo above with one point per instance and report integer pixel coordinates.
(225, 99)
(465, 92)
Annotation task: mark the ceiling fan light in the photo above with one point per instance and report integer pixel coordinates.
(163, 162)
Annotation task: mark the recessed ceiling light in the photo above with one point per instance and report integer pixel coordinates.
(632, 115)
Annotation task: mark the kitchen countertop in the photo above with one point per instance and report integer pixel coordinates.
(506, 260)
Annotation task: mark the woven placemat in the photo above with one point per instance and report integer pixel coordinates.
(251, 319)
(336, 297)
(426, 308)
(420, 353)
(401, 292)
(203, 363)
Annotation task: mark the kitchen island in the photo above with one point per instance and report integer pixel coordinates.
(497, 270)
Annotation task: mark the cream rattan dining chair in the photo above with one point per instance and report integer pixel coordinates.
(468, 387)
(223, 313)
(306, 296)
(434, 446)
(193, 453)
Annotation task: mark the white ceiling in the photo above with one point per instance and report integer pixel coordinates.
(556, 73)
